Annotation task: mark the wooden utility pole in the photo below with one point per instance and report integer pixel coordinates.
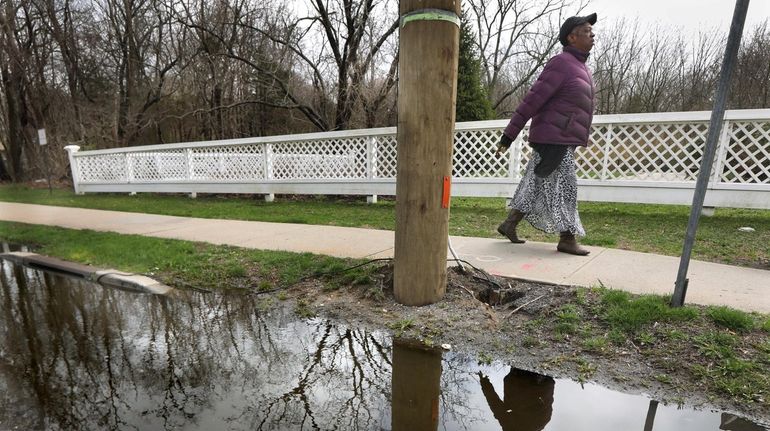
(427, 89)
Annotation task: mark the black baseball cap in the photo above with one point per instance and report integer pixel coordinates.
(572, 22)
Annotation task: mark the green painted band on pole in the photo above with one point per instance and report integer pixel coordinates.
(430, 15)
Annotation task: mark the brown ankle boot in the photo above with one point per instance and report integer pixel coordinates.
(568, 244)
(508, 227)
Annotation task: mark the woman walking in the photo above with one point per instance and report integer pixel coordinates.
(560, 104)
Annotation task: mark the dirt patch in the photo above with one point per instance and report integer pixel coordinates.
(560, 331)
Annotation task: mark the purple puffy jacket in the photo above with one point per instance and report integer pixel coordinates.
(560, 103)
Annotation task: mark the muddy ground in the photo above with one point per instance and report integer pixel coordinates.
(514, 322)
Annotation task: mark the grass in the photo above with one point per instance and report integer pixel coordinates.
(173, 261)
(401, 326)
(484, 358)
(735, 320)
(724, 350)
(631, 314)
(568, 318)
(645, 228)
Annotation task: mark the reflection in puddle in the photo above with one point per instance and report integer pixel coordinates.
(8, 247)
(416, 387)
(527, 402)
(75, 355)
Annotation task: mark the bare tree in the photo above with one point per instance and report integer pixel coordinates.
(353, 48)
(142, 48)
(63, 22)
(12, 75)
(697, 72)
(751, 85)
(516, 38)
(655, 72)
(26, 83)
(661, 72)
(613, 59)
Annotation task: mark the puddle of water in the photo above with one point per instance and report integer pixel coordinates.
(75, 355)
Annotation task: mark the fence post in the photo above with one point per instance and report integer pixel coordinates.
(189, 164)
(606, 150)
(189, 170)
(514, 161)
(267, 168)
(74, 168)
(129, 169)
(371, 164)
(722, 147)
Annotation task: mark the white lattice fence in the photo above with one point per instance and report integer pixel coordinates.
(631, 158)
(746, 159)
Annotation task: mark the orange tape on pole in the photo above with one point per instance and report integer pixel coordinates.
(447, 188)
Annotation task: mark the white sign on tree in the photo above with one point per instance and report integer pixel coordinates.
(41, 137)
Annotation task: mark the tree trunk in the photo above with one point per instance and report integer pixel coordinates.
(12, 85)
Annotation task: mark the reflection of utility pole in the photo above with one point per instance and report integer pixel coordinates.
(427, 88)
(648, 423)
(717, 114)
(415, 387)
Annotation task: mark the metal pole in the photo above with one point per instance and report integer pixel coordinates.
(717, 115)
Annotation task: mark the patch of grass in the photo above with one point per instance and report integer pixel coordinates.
(535, 323)
(585, 369)
(617, 337)
(730, 318)
(595, 345)
(567, 319)
(766, 325)
(234, 269)
(646, 338)
(375, 294)
(175, 262)
(639, 227)
(632, 314)
(717, 345)
(581, 296)
(401, 326)
(266, 304)
(735, 367)
(345, 275)
(484, 359)
(674, 335)
(530, 341)
(747, 386)
(302, 309)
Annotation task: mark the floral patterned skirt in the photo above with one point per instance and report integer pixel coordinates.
(550, 203)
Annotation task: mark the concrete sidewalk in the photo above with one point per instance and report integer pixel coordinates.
(710, 283)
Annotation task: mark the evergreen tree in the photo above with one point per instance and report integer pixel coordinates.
(472, 101)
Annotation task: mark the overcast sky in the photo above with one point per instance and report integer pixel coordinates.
(688, 15)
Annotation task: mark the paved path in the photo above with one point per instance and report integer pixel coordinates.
(710, 283)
